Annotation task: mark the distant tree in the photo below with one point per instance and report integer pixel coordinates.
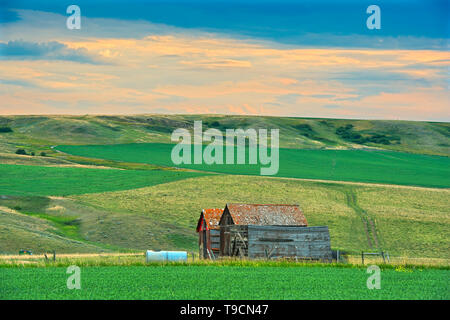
(5, 129)
(21, 151)
(32, 153)
(305, 129)
(43, 154)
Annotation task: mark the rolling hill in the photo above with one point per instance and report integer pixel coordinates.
(39, 133)
(104, 183)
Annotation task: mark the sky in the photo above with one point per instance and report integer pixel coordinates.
(277, 58)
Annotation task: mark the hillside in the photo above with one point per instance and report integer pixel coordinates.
(39, 133)
(405, 221)
(103, 183)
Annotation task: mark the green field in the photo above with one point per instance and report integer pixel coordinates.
(223, 282)
(57, 181)
(346, 165)
(118, 193)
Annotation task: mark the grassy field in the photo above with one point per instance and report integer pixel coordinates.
(19, 231)
(223, 282)
(407, 221)
(347, 165)
(146, 205)
(57, 181)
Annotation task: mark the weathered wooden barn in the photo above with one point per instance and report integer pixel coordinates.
(271, 231)
(261, 231)
(209, 233)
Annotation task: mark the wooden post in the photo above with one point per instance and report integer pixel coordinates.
(54, 255)
(382, 254)
(362, 257)
(337, 256)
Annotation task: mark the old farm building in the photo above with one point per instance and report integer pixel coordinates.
(209, 232)
(268, 231)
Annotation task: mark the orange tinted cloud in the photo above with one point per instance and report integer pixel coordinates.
(183, 73)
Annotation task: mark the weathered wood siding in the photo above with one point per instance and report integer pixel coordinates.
(214, 241)
(289, 241)
(234, 240)
(226, 218)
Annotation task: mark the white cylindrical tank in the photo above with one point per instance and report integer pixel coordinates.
(153, 256)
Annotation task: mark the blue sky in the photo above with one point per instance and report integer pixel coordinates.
(285, 21)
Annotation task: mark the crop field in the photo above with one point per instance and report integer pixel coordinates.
(57, 181)
(223, 282)
(347, 165)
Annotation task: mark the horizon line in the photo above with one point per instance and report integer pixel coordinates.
(212, 115)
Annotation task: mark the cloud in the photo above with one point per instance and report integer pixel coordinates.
(331, 106)
(16, 82)
(52, 50)
(218, 64)
(162, 69)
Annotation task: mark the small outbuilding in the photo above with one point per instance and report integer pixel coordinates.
(209, 233)
(271, 231)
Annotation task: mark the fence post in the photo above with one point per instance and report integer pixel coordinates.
(382, 254)
(54, 255)
(337, 256)
(362, 257)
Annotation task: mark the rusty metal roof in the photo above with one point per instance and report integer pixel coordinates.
(212, 217)
(267, 214)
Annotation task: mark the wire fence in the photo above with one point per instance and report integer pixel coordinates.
(378, 258)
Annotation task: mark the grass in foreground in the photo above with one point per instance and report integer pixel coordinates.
(128, 259)
(222, 282)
